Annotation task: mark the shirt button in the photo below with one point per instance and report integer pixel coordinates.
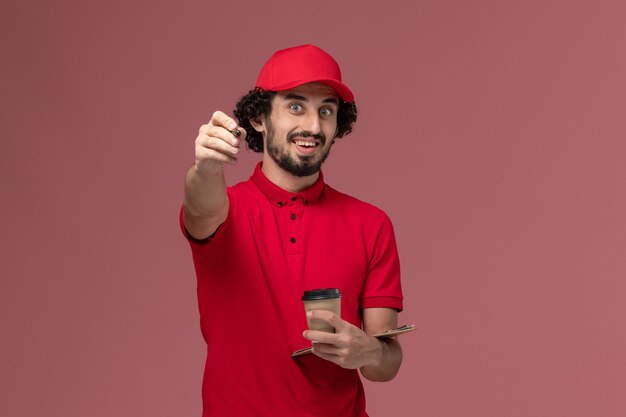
(292, 240)
(294, 198)
(280, 204)
(293, 217)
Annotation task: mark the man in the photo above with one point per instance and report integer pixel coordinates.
(259, 245)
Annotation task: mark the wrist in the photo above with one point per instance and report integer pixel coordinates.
(377, 353)
(387, 361)
(208, 168)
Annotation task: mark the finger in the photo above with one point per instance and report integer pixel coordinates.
(330, 318)
(222, 134)
(217, 144)
(239, 133)
(327, 349)
(327, 356)
(320, 336)
(206, 155)
(223, 120)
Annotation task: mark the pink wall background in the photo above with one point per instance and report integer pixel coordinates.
(492, 132)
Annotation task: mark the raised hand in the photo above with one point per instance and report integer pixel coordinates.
(216, 142)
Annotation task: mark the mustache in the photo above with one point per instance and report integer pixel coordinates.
(306, 134)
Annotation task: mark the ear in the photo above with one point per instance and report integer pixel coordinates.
(258, 124)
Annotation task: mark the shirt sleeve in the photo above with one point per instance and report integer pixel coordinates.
(382, 287)
(200, 243)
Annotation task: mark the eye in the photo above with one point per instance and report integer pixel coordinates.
(295, 107)
(325, 112)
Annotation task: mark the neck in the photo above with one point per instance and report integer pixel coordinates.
(285, 180)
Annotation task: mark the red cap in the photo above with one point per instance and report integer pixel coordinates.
(291, 67)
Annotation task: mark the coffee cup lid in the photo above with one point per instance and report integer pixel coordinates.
(321, 294)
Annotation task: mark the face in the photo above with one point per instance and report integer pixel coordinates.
(301, 128)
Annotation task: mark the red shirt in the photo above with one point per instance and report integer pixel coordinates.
(251, 275)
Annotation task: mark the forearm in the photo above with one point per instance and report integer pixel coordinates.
(205, 202)
(387, 362)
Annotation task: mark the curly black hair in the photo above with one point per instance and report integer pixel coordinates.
(258, 102)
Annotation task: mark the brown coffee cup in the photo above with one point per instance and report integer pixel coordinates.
(328, 299)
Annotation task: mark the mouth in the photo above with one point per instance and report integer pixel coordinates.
(306, 146)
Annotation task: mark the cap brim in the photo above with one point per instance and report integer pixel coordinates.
(341, 89)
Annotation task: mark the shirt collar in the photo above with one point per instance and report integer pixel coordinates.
(280, 197)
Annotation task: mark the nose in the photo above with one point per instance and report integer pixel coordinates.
(312, 123)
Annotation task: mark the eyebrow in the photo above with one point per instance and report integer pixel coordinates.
(293, 96)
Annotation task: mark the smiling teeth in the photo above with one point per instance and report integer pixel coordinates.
(304, 143)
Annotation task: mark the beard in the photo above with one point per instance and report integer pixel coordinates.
(302, 165)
